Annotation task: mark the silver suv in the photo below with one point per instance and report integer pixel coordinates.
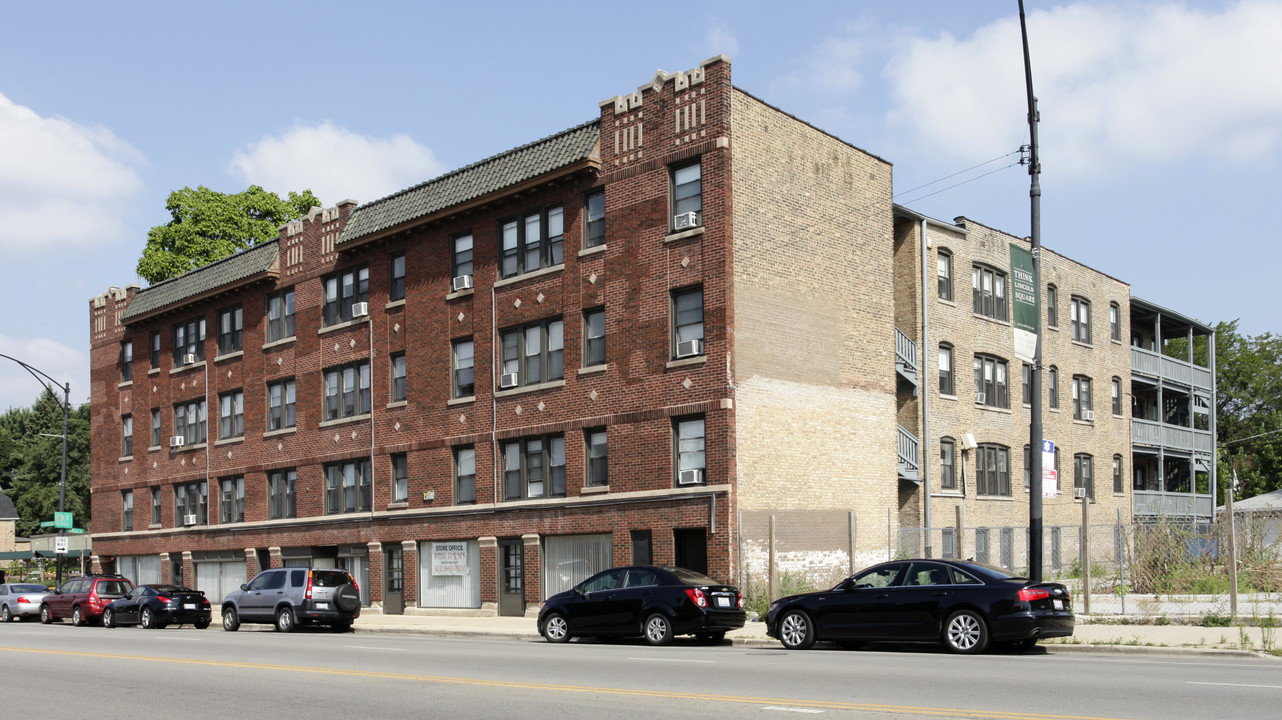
(289, 597)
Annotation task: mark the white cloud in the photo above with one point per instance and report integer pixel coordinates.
(721, 41)
(1117, 86)
(61, 183)
(335, 163)
(61, 362)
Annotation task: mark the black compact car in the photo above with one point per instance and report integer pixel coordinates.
(155, 606)
(965, 605)
(656, 603)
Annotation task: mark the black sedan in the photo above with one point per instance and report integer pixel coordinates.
(653, 602)
(965, 605)
(155, 606)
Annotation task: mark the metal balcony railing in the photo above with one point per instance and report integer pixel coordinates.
(909, 450)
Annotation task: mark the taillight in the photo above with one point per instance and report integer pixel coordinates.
(95, 602)
(163, 599)
(697, 597)
(355, 584)
(740, 601)
(308, 593)
(24, 599)
(1030, 594)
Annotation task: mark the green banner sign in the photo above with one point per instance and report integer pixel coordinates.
(62, 520)
(1024, 301)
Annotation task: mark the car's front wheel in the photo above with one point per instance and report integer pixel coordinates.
(231, 620)
(795, 630)
(46, 615)
(556, 629)
(285, 621)
(658, 629)
(965, 632)
(108, 618)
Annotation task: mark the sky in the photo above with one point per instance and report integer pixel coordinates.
(1160, 134)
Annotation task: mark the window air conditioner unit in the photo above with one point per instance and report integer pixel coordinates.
(360, 309)
(690, 477)
(685, 220)
(981, 398)
(508, 380)
(176, 441)
(1079, 493)
(1088, 415)
(689, 348)
(189, 359)
(462, 282)
(189, 519)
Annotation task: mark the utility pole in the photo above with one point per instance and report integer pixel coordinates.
(1035, 387)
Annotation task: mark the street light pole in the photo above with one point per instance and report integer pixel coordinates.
(66, 411)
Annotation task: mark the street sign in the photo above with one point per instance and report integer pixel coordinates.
(60, 545)
(75, 531)
(62, 520)
(46, 523)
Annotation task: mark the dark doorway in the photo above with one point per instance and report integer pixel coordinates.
(641, 553)
(512, 577)
(691, 548)
(394, 579)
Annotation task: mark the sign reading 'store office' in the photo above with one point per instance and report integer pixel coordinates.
(449, 558)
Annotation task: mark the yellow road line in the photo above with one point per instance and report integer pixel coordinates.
(826, 704)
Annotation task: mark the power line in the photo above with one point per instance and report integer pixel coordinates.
(964, 182)
(959, 172)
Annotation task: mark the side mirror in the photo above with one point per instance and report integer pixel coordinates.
(244, 586)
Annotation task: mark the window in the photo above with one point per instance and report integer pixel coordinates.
(687, 322)
(127, 361)
(463, 361)
(400, 477)
(1081, 397)
(990, 382)
(189, 422)
(1028, 468)
(461, 257)
(191, 502)
(594, 337)
(347, 391)
(231, 415)
(342, 290)
(1080, 312)
(534, 353)
(127, 510)
(946, 370)
(127, 436)
(687, 190)
(688, 441)
(1114, 322)
(944, 261)
(534, 467)
(464, 475)
(189, 339)
(1027, 384)
(1052, 386)
(396, 276)
(1082, 477)
(347, 487)
(155, 506)
(230, 327)
(398, 377)
(282, 502)
(597, 453)
(1117, 396)
(155, 349)
(280, 405)
(531, 242)
(988, 293)
(155, 427)
(594, 219)
(231, 504)
(992, 471)
(1117, 475)
(280, 315)
(947, 464)
(1052, 306)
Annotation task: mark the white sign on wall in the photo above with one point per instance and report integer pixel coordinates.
(1050, 478)
(449, 558)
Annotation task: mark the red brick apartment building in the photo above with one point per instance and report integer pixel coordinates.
(625, 342)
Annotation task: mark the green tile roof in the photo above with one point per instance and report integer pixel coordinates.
(474, 181)
(228, 271)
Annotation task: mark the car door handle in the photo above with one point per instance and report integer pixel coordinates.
(941, 593)
(882, 596)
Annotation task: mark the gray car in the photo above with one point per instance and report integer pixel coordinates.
(289, 597)
(19, 601)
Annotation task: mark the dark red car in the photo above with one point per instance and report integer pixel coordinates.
(83, 598)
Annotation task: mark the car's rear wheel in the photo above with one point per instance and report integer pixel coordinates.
(710, 638)
(342, 626)
(556, 629)
(147, 619)
(108, 618)
(285, 620)
(851, 644)
(795, 630)
(231, 620)
(76, 618)
(965, 632)
(5, 614)
(658, 629)
(1024, 645)
(46, 616)
(201, 624)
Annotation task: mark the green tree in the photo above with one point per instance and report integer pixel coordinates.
(1248, 409)
(31, 461)
(209, 226)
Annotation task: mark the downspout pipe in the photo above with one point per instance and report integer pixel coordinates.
(924, 377)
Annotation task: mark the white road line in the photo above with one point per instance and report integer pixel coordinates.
(792, 709)
(671, 660)
(372, 647)
(1271, 687)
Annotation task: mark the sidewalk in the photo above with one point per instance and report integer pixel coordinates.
(1088, 635)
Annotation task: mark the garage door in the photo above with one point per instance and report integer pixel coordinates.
(216, 579)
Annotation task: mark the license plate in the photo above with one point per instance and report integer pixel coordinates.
(723, 602)
(322, 606)
(1057, 604)
(189, 606)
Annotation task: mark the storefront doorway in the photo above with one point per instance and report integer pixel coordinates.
(512, 576)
